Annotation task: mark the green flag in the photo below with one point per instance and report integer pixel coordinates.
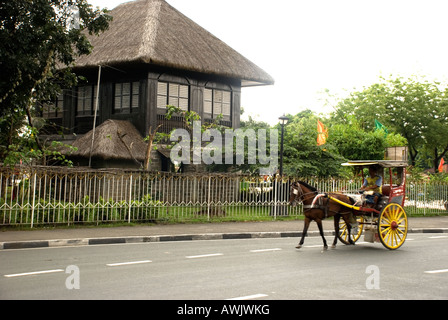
(380, 126)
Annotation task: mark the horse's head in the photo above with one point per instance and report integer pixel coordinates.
(301, 191)
(295, 193)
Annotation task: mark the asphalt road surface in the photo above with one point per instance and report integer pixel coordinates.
(257, 269)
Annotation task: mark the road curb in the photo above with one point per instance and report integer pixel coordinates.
(160, 238)
(181, 237)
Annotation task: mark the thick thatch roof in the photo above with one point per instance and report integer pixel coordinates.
(153, 32)
(114, 139)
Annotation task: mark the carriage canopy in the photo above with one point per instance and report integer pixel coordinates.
(382, 163)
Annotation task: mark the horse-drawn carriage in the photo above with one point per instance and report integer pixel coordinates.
(384, 220)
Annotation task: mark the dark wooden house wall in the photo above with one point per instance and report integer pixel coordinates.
(147, 112)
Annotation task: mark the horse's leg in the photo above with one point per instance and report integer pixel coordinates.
(349, 227)
(305, 230)
(321, 231)
(336, 230)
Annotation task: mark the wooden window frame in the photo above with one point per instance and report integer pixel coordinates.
(54, 110)
(172, 96)
(212, 102)
(134, 97)
(88, 102)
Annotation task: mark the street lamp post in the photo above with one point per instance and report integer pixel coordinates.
(279, 193)
(283, 119)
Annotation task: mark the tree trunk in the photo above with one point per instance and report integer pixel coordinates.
(151, 136)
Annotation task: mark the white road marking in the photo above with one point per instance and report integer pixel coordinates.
(438, 237)
(204, 255)
(33, 273)
(254, 296)
(266, 250)
(127, 263)
(437, 271)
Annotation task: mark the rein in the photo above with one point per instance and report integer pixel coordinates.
(301, 198)
(303, 194)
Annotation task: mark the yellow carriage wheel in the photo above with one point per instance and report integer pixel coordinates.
(343, 231)
(393, 226)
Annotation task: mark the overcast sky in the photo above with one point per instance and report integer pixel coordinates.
(308, 46)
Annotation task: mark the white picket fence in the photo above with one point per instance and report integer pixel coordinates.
(53, 195)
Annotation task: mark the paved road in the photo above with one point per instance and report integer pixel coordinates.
(226, 269)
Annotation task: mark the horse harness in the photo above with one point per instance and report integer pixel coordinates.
(323, 203)
(320, 205)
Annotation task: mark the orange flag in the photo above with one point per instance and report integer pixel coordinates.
(322, 133)
(442, 162)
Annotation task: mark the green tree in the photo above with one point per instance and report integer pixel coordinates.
(302, 155)
(414, 108)
(418, 110)
(39, 42)
(354, 143)
(250, 145)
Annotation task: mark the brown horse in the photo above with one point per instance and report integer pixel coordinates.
(317, 207)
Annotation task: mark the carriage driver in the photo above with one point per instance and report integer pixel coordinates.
(373, 183)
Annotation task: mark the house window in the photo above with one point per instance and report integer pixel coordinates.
(172, 94)
(217, 102)
(86, 100)
(127, 96)
(55, 109)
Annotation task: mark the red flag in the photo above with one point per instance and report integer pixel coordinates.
(322, 133)
(442, 162)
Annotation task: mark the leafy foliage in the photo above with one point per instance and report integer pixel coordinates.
(302, 155)
(356, 144)
(414, 108)
(39, 41)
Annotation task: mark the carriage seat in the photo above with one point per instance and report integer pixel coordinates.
(386, 189)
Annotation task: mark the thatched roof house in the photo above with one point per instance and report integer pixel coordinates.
(153, 32)
(151, 56)
(115, 140)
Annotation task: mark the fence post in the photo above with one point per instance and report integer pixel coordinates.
(34, 200)
(275, 198)
(424, 198)
(415, 190)
(208, 198)
(130, 200)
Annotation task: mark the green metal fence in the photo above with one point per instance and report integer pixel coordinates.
(50, 195)
(426, 198)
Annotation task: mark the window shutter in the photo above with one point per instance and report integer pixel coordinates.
(226, 105)
(162, 92)
(135, 95)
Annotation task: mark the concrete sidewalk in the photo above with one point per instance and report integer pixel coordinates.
(183, 232)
